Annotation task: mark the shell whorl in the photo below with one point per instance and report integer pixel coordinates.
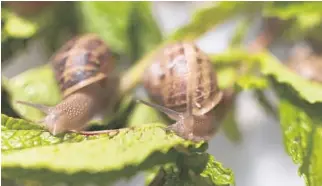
(177, 65)
(82, 61)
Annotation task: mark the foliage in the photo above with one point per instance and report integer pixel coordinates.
(142, 144)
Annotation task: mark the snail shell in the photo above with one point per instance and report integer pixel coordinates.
(81, 62)
(174, 68)
(183, 83)
(81, 68)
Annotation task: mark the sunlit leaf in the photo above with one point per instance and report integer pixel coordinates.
(84, 163)
(226, 77)
(20, 28)
(248, 82)
(302, 133)
(205, 171)
(269, 65)
(10, 123)
(310, 91)
(20, 134)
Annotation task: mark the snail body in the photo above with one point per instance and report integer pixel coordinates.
(183, 84)
(81, 67)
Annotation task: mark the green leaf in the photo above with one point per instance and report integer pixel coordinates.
(110, 20)
(20, 134)
(310, 91)
(144, 32)
(269, 65)
(205, 171)
(127, 27)
(10, 123)
(216, 173)
(247, 82)
(302, 133)
(206, 18)
(226, 77)
(18, 27)
(231, 57)
(289, 10)
(103, 160)
(36, 85)
(241, 31)
(23, 139)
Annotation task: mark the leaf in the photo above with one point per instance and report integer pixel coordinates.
(103, 160)
(23, 139)
(18, 27)
(241, 31)
(206, 18)
(226, 77)
(20, 134)
(144, 32)
(110, 20)
(231, 57)
(216, 173)
(289, 10)
(11, 123)
(37, 85)
(310, 91)
(210, 173)
(247, 82)
(269, 65)
(302, 133)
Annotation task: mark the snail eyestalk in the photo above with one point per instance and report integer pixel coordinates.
(43, 108)
(174, 114)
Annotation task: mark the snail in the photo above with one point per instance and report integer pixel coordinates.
(183, 83)
(81, 67)
(305, 62)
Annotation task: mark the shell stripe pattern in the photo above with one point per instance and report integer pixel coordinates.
(185, 63)
(81, 61)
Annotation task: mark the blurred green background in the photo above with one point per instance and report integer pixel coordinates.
(270, 124)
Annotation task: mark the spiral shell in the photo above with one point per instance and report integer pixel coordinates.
(82, 61)
(173, 68)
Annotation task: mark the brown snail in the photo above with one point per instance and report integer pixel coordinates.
(183, 83)
(81, 67)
